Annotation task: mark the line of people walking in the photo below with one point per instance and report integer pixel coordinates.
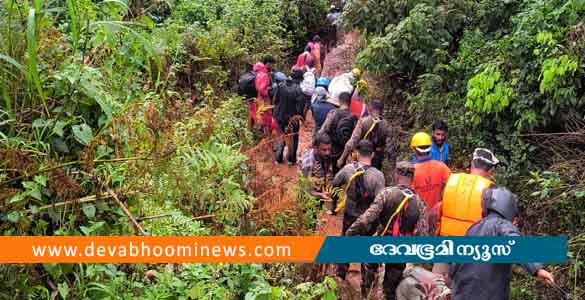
(351, 143)
(425, 199)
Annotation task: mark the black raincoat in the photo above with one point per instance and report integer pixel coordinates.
(486, 281)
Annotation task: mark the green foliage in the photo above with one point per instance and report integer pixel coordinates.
(487, 92)
(324, 291)
(375, 16)
(567, 195)
(308, 203)
(303, 19)
(191, 281)
(481, 65)
(132, 96)
(221, 166)
(177, 225)
(31, 42)
(504, 74)
(557, 75)
(416, 43)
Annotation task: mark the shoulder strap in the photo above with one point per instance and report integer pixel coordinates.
(407, 195)
(376, 121)
(358, 172)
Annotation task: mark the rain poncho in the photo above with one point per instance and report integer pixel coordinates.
(487, 281)
(341, 84)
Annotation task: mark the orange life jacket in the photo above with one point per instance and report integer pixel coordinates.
(462, 203)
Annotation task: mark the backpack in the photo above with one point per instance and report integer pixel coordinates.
(296, 93)
(247, 85)
(359, 187)
(356, 189)
(289, 101)
(343, 129)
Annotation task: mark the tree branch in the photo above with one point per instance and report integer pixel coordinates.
(127, 212)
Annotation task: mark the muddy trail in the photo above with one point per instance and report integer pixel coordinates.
(275, 185)
(340, 60)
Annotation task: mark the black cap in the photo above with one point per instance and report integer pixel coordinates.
(377, 104)
(365, 147)
(268, 59)
(500, 200)
(297, 74)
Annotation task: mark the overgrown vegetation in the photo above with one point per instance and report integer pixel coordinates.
(507, 75)
(132, 101)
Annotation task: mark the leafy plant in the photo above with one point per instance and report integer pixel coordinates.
(487, 92)
(133, 98)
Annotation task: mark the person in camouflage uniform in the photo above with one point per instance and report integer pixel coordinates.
(410, 219)
(361, 191)
(316, 164)
(375, 129)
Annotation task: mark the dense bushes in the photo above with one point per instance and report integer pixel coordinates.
(527, 71)
(507, 75)
(103, 98)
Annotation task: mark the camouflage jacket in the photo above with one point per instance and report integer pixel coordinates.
(374, 182)
(385, 204)
(380, 136)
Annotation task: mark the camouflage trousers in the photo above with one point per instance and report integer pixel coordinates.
(368, 271)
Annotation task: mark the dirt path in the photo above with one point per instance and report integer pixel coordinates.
(275, 183)
(340, 60)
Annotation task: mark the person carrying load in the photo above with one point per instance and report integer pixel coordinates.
(320, 107)
(303, 59)
(339, 125)
(316, 51)
(362, 183)
(348, 83)
(254, 86)
(420, 284)
(396, 211)
(288, 111)
(375, 129)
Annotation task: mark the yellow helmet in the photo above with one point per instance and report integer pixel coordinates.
(357, 72)
(421, 139)
(362, 85)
